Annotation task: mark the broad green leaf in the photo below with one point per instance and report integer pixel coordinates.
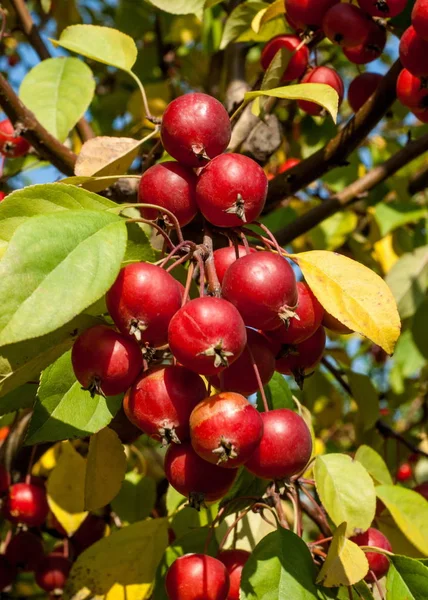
(267, 14)
(323, 399)
(333, 232)
(104, 44)
(353, 294)
(420, 328)
(345, 564)
(407, 579)
(272, 77)
(64, 410)
(409, 511)
(138, 247)
(136, 498)
(280, 566)
(320, 93)
(122, 565)
(390, 216)
(246, 486)
(346, 491)
(374, 464)
(24, 361)
(58, 91)
(43, 199)
(22, 397)
(66, 487)
(173, 500)
(408, 280)
(367, 399)
(54, 268)
(105, 469)
(240, 20)
(278, 394)
(180, 7)
(193, 541)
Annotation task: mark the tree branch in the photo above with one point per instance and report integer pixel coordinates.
(33, 36)
(45, 143)
(353, 192)
(419, 181)
(341, 146)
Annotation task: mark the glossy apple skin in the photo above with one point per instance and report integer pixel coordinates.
(197, 577)
(298, 61)
(378, 563)
(26, 503)
(234, 561)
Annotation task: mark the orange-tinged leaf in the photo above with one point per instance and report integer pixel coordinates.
(353, 294)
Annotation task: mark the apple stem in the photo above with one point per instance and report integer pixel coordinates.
(30, 465)
(259, 380)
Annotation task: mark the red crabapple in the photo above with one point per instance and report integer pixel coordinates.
(53, 572)
(288, 164)
(194, 477)
(422, 115)
(142, 302)
(300, 360)
(26, 503)
(378, 563)
(422, 489)
(285, 447)
(298, 60)
(105, 361)
(420, 18)
(240, 377)
(161, 400)
(413, 52)
(309, 315)
(383, 8)
(346, 25)
(404, 472)
(372, 47)
(335, 325)
(197, 577)
(25, 551)
(2, 196)
(324, 75)
(263, 288)
(195, 128)
(90, 531)
(225, 429)
(10, 145)
(307, 13)
(234, 561)
(412, 91)
(231, 190)
(361, 88)
(171, 186)
(207, 335)
(224, 257)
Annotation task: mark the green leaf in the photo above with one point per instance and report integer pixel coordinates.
(390, 216)
(407, 579)
(180, 7)
(54, 268)
(58, 91)
(409, 511)
(239, 21)
(136, 498)
(367, 399)
(124, 562)
(320, 93)
(280, 566)
(420, 328)
(188, 543)
(64, 410)
(278, 394)
(272, 77)
(43, 199)
(246, 485)
(24, 361)
(22, 397)
(374, 464)
(138, 248)
(333, 232)
(346, 491)
(104, 44)
(408, 280)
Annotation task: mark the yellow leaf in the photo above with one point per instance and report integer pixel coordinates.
(267, 14)
(65, 487)
(385, 253)
(104, 155)
(121, 566)
(345, 564)
(105, 469)
(353, 294)
(47, 461)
